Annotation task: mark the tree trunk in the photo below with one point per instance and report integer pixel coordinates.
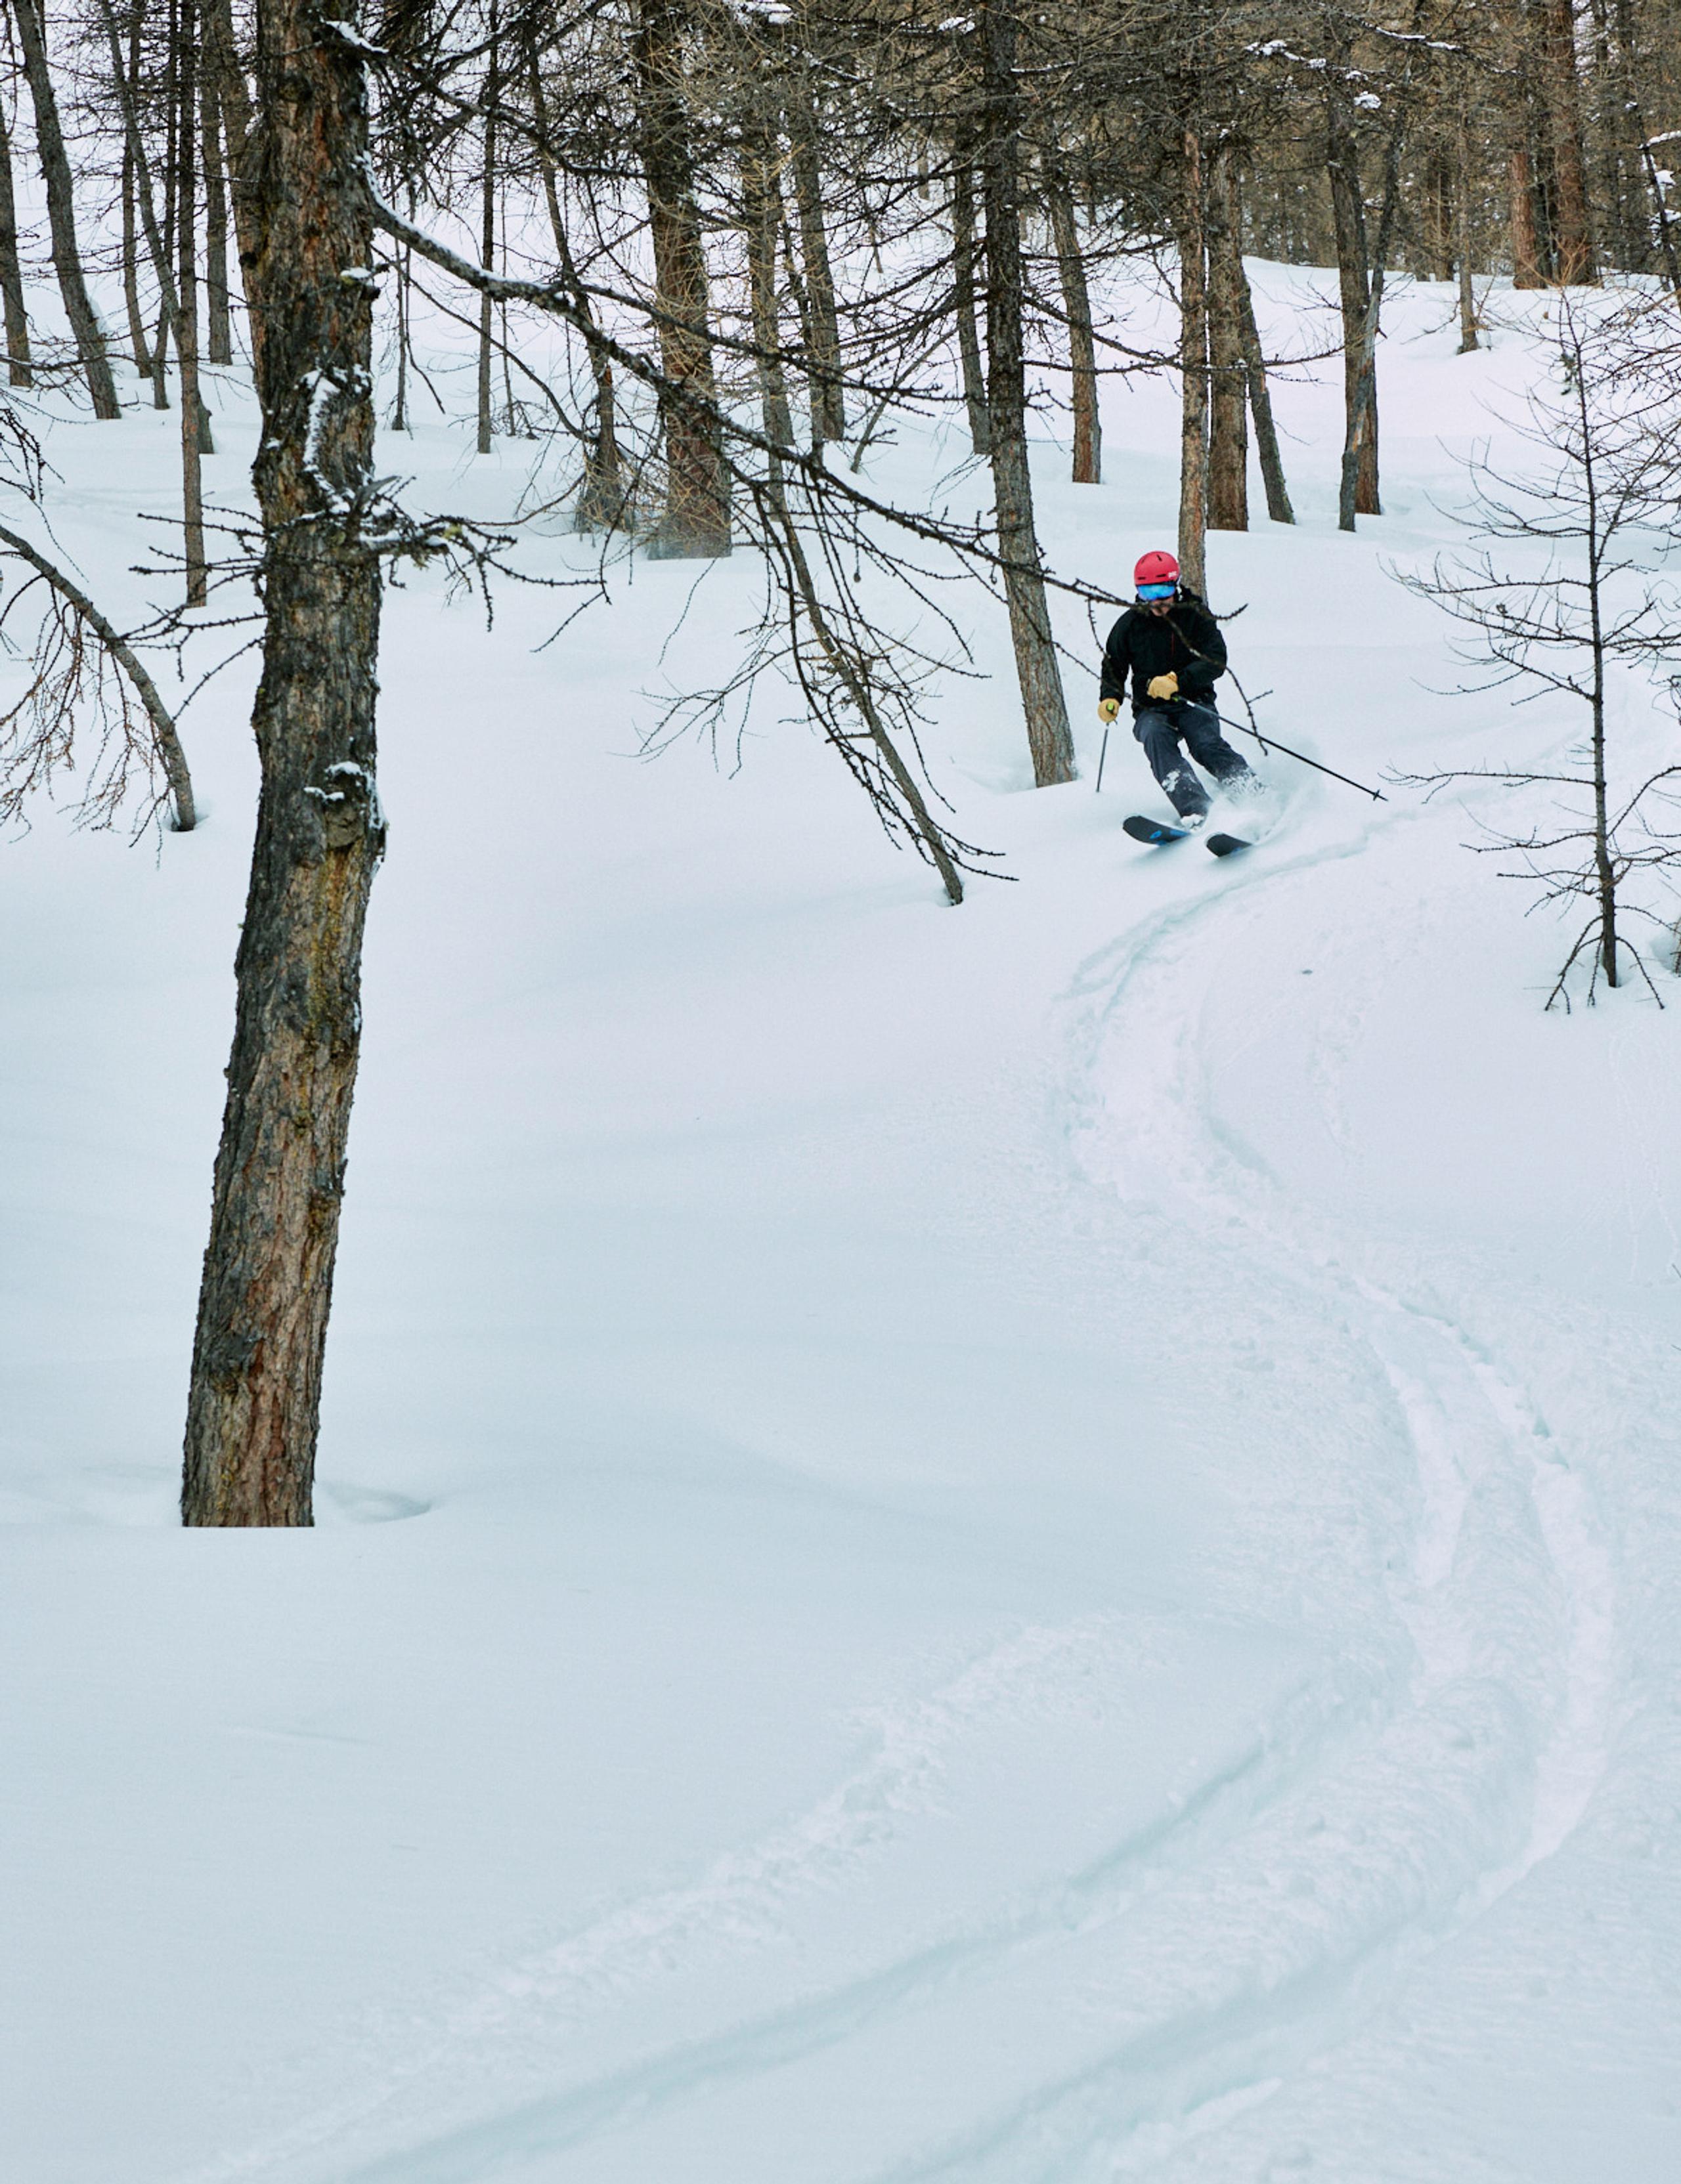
(1354, 276)
(233, 106)
(55, 168)
(254, 1409)
(696, 519)
(137, 320)
(124, 79)
(11, 272)
(186, 328)
(1634, 115)
(1438, 216)
(220, 318)
(829, 394)
(1278, 506)
(602, 505)
(400, 407)
(1035, 654)
(1573, 227)
(1228, 407)
(1467, 291)
(1083, 349)
(1362, 440)
(1194, 368)
(761, 199)
(487, 239)
(1526, 242)
(962, 305)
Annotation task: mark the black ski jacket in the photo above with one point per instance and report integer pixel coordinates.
(1185, 640)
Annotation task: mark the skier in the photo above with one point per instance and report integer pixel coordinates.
(1171, 646)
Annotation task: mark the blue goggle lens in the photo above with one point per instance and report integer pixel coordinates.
(1151, 593)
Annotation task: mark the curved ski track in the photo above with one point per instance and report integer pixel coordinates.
(1215, 1951)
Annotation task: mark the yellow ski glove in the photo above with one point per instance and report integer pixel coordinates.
(1107, 708)
(1163, 685)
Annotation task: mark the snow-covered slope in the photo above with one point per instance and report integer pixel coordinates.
(1028, 1543)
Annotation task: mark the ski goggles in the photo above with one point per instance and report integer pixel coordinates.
(1153, 594)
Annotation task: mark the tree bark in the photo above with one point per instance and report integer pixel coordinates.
(253, 1412)
(962, 305)
(1354, 278)
(1634, 118)
(1193, 367)
(696, 519)
(137, 321)
(1278, 507)
(1573, 225)
(761, 198)
(486, 237)
(123, 79)
(1228, 406)
(1362, 439)
(829, 394)
(1526, 242)
(18, 363)
(1048, 735)
(219, 317)
(602, 503)
(187, 329)
(1082, 348)
(1467, 290)
(55, 168)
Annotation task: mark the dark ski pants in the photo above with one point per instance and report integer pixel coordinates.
(1162, 728)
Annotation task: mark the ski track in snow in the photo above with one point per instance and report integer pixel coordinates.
(1509, 1601)
(1215, 1950)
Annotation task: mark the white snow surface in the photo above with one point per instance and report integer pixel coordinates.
(1029, 1544)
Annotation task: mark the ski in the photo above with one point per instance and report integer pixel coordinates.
(1222, 845)
(1152, 831)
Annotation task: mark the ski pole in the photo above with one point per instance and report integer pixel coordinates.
(1101, 755)
(1271, 743)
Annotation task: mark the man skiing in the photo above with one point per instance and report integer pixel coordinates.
(1170, 645)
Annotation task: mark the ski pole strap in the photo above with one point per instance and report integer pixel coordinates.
(1271, 743)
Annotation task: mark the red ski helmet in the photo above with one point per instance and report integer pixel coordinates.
(1156, 568)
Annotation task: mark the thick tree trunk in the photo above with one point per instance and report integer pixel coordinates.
(1194, 368)
(1572, 225)
(829, 396)
(962, 305)
(1354, 278)
(1362, 440)
(55, 168)
(18, 363)
(1082, 348)
(696, 519)
(254, 1408)
(1526, 242)
(1228, 406)
(1633, 111)
(1037, 672)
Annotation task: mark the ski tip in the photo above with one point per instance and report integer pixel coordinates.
(1222, 845)
(1152, 831)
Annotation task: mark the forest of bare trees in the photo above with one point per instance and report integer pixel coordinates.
(705, 253)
